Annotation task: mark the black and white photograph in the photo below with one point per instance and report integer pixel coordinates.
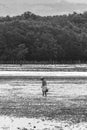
(43, 64)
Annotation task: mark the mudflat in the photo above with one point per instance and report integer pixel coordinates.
(21, 100)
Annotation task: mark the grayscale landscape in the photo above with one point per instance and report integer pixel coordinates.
(43, 49)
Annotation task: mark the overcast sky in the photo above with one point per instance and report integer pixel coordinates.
(40, 1)
(78, 1)
(15, 7)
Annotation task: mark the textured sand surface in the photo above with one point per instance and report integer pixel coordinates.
(12, 123)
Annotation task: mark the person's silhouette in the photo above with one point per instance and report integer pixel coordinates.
(44, 87)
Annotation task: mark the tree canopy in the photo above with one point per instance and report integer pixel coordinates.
(29, 37)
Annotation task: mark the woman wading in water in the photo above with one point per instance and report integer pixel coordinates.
(44, 87)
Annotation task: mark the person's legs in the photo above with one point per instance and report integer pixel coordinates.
(45, 94)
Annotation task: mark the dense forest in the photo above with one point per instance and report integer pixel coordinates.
(29, 37)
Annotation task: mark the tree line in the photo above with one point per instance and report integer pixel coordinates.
(30, 37)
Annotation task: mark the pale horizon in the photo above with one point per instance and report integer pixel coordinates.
(41, 7)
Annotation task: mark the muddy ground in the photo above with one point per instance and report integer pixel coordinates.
(66, 100)
(22, 106)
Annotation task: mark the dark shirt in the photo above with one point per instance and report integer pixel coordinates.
(44, 83)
